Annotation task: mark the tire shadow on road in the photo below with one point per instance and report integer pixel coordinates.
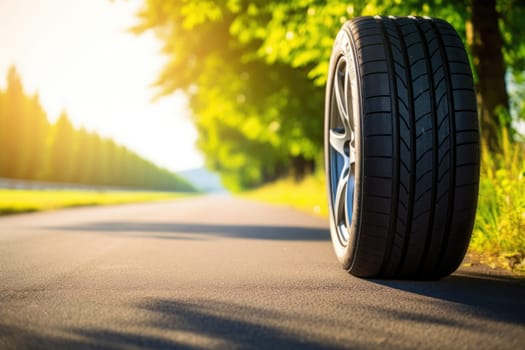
(499, 298)
(366, 319)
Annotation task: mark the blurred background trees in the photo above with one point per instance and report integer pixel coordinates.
(34, 149)
(255, 72)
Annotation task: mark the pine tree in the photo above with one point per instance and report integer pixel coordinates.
(61, 153)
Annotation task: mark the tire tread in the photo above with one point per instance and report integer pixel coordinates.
(420, 147)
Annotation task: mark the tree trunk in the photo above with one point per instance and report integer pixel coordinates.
(486, 43)
(302, 167)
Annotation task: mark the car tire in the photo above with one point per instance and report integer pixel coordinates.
(401, 147)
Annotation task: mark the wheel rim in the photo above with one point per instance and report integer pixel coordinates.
(341, 151)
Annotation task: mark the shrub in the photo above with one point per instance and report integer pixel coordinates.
(499, 231)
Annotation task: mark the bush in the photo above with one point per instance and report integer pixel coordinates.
(500, 222)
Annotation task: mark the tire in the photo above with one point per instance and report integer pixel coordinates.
(401, 148)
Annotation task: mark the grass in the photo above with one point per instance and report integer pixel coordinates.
(499, 232)
(307, 195)
(498, 239)
(23, 201)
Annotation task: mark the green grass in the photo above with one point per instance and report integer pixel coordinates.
(498, 238)
(23, 201)
(499, 232)
(308, 195)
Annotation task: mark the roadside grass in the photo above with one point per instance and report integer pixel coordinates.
(499, 232)
(308, 195)
(498, 239)
(24, 201)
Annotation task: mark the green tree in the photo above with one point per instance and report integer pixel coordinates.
(244, 65)
(38, 130)
(253, 131)
(17, 147)
(23, 131)
(296, 32)
(255, 120)
(3, 135)
(86, 155)
(33, 149)
(496, 39)
(62, 150)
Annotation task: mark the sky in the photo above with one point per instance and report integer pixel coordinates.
(79, 57)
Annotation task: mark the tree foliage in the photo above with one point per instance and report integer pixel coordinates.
(34, 149)
(255, 71)
(255, 120)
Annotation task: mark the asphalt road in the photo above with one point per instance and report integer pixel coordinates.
(219, 272)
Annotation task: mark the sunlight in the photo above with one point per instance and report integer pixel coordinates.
(79, 57)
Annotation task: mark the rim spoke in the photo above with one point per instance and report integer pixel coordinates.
(350, 188)
(351, 153)
(340, 197)
(337, 141)
(340, 95)
(351, 158)
(341, 86)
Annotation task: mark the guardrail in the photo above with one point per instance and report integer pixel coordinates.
(19, 184)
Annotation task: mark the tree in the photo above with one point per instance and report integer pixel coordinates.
(294, 32)
(495, 33)
(254, 132)
(16, 145)
(86, 155)
(255, 120)
(23, 131)
(37, 130)
(225, 53)
(3, 135)
(32, 149)
(62, 158)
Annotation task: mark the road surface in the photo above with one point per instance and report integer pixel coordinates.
(220, 272)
